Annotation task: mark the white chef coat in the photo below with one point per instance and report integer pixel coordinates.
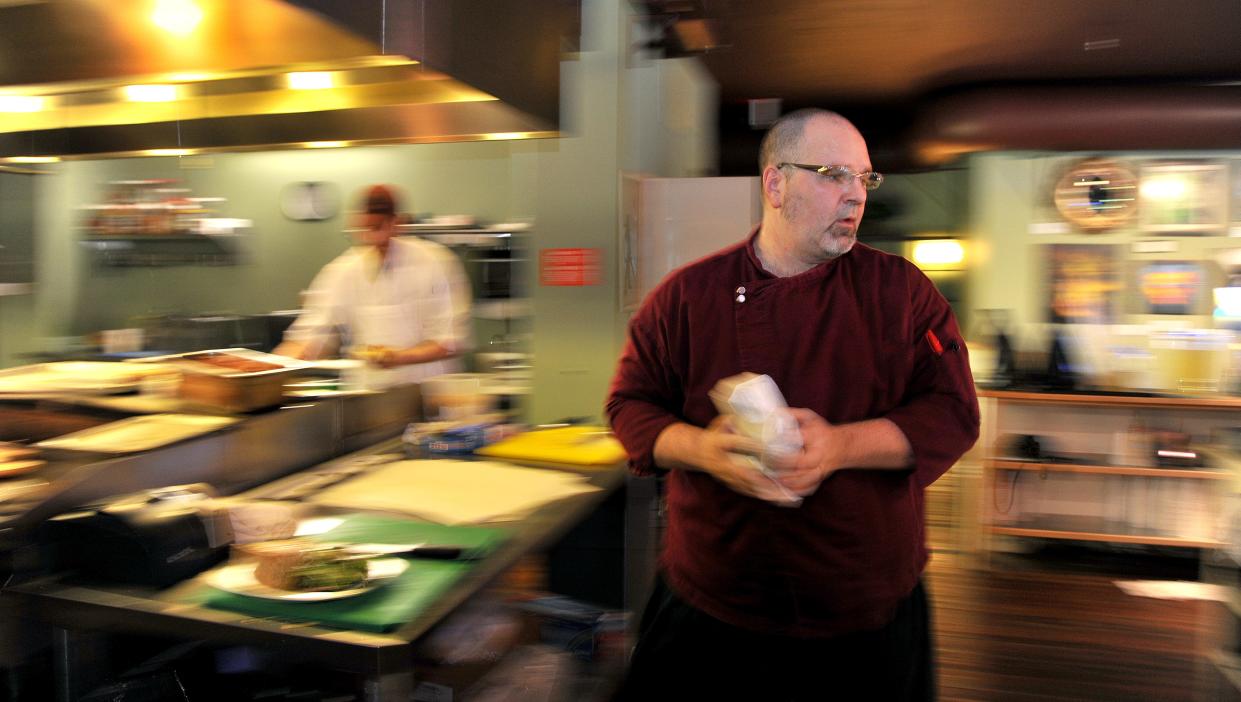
(418, 293)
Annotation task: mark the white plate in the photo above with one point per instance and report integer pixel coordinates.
(239, 580)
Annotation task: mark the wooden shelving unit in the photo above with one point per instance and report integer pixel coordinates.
(1137, 471)
(1091, 499)
(1132, 401)
(1140, 539)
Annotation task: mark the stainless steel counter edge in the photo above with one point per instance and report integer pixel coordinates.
(163, 613)
(261, 448)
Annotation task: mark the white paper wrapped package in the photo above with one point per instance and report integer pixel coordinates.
(759, 411)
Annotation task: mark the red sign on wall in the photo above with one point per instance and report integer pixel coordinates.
(569, 267)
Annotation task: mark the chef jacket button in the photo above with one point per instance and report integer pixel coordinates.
(741, 290)
(741, 298)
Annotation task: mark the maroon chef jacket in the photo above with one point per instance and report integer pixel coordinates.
(863, 336)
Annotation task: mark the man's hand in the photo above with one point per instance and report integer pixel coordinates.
(804, 471)
(375, 355)
(875, 444)
(424, 352)
(294, 349)
(723, 454)
(387, 357)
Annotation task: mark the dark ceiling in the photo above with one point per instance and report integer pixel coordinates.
(886, 63)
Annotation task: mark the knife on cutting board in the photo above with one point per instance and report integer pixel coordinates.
(420, 550)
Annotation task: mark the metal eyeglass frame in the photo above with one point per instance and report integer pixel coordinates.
(840, 174)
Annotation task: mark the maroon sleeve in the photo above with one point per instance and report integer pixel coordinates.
(939, 413)
(645, 392)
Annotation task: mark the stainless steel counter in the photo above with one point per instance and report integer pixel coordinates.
(83, 614)
(262, 447)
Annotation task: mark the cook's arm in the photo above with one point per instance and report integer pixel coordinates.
(315, 333)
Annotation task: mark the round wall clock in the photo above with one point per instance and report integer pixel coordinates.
(1096, 195)
(309, 201)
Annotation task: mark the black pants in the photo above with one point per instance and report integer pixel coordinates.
(685, 654)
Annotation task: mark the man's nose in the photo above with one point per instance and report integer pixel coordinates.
(856, 193)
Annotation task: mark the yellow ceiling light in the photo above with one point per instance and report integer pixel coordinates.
(506, 136)
(178, 17)
(168, 152)
(310, 80)
(938, 253)
(33, 159)
(150, 93)
(21, 103)
(325, 144)
(190, 77)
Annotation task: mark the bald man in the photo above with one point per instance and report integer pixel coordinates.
(757, 599)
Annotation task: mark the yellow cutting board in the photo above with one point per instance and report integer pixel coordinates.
(575, 445)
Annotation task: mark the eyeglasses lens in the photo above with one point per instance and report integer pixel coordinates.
(841, 175)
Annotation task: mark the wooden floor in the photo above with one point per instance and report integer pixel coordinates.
(1037, 628)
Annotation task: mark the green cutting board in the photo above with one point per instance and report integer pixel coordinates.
(387, 607)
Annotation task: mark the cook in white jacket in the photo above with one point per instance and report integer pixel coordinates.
(399, 304)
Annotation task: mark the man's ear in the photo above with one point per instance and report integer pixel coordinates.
(773, 186)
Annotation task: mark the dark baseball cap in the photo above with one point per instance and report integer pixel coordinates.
(380, 199)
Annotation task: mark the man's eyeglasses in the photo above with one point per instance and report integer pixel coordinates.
(840, 175)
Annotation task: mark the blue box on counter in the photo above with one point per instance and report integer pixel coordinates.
(457, 441)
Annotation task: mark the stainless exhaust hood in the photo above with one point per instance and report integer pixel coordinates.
(101, 78)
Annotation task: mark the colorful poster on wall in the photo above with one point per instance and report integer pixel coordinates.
(1083, 282)
(629, 244)
(1171, 287)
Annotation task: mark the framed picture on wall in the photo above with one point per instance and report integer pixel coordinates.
(1171, 287)
(629, 234)
(1083, 282)
(1185, 198)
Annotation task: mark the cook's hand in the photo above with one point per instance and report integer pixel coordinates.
(386, 357)
(804, 471)
(727, 456)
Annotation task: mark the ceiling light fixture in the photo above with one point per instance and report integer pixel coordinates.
(21, 103)
(189, 77)
(310, 80)
(150, 93)
(178, 17)
(938, 253)
(506, 136)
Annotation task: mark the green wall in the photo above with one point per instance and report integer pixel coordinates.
(17, 222)
(280, 256)
(620, 111)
